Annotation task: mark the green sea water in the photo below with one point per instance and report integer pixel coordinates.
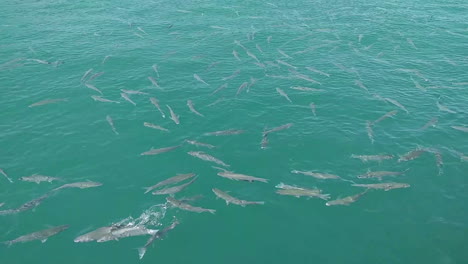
(412, 52)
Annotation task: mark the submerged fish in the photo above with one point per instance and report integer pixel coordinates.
(317, 71)
(172, 180)
(230, 199)
(384, 186)
(250, 54)
(155, 102)
(192, 108)
(370, 132)
(157, 235)
(317, 174)
(396, 103)
(95, 234)
(306, 89)
(279, 128)
(111, 124)
(175, 189)
(241, 87)
(42, 235)
(298, 192)
(240, 177)
(282, 93)
(27, 206)
(259, 48)
(366, 158)
(92, 87)
(220, 88)
(460, 128)
(187, 207)
(155, 68)
(264, 143)
(387, 115)
(313, 108)
(347, 200)
(127, 231)
(196, 143)
(6, 176)
(236, 55)
(380, 174)
(154, 82)
(233, 75)
(80, 185)
(48, 101)
(151, 125)
(225, 132)
(95, 76)
(104, 100)
(286, 64)
(39, 178)
(411, 155)
(198, 78)
(86, 74)
(153, 151)
(174, 117)
(284, 54)
(127, 98)
(361, 85)
(430, 123)
(444, 108)
(206, 157)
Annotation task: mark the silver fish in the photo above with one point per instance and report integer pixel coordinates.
(313, 108)
(105, 59)
(230, 199)
(206, 157)
(366, 158)
(347, 200)
(212, 65)
(279, 128)
(188, 207)
(155, 68)
(86, 74)
(282, 93)
(174, 117)
(370, 132)
(220, 88)
(411, 43)
(42, 235)
(127, 98)
(1, 204)
(298, 192)
(80, 185)
(150, 125)
(361, 85)
(305, 77)
(6, 176)
(133, 92)
(236, 55)
(48, 101)
(284, 54)
(264, 143)
(430, 123)
(317, 71)
(231, 76)
(225, 132)
(154, 82)
(27, 206)
(306, 89)
(39, 178)
(380, 174)
(250, 54)
(384, 186)
(92, 87)
(95, 234)
(252, 82)
(317, 174)
(460, 128)
(172, 180)
(175, 189)
(155, 102)
(95, 76)
(196, 143)
(158, 235)
(259, 48)
(104, 100)
(444, 108)
(286, 64)
(411, 155)
(240, 177)
(387, 115)
(153, 151)
(241, 87)
(238, 43)
(192, 108)
(127, 231)
(198, 78)
(396, 103)
(269, 39)
(111, 124)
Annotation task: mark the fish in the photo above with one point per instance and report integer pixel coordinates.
(430, 123)
(175, 189)
(360, 38)
(192, 108)
(155, 68)
(218, 27)
(413, 154)
(188, 207)
(346, 200)
(241, 87)
(225, 132)
(252, 82)
(366, 158)
(298, 192)
(220, 88)
(230, 199)
(158, 235)
(155, 102)
(126, 231)
(396, 103)
(104, 100)
(259, 64)
(284, 54)
(198, 78)
(105, 59)
(312, 69)
(370, 132)
(264, 143)
(313, 108)
(212, 65)
(361, 85)
(250, 54)
(236, 55)
(39, 178)
(286, 64)
(86, 74)
(95, 234)
(387, 115)
(279, 128)
(48, 101)
(317, 174)
(282, 93)
(95, 76)
(259, 48)
(237, 72)
(418, 85)
(384, 186)
(460, 128)
(92, 87)
(111, 124)
(154, 82)
(1, 204)
(172, 180)
(174, 117)
(380, 174)
(216, 102)
(206, 157)
(240, 177)
(6, 175)
(140, 29)
(154, 151)
(269, 39)
(411, 42)
(305, 77)
(196, 143)
(238, 43)
(306, 89)
(26, 206)
(42, 235)
(439, 161)
(80, 185)
(150, 125)
(127, 98)
(444, 108)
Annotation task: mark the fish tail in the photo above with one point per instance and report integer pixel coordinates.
(141, 252)
(147, 189)
(213, 211)
(261, 203)
(8, 243)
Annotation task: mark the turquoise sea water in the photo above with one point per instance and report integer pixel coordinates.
(412, 52)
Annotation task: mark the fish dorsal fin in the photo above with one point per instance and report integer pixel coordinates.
(44, 240)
